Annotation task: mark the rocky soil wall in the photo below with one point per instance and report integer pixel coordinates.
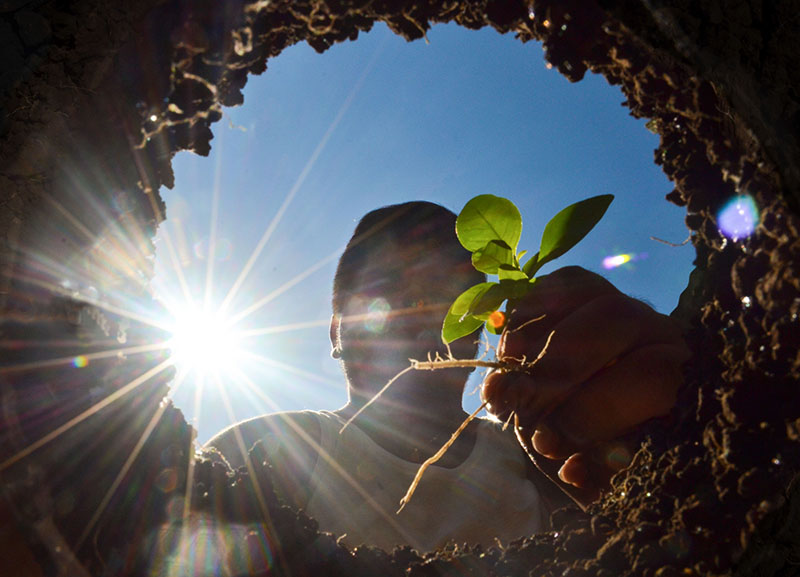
(96, 99)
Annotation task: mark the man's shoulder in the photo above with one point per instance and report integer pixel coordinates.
(289, 441)
(294, 432)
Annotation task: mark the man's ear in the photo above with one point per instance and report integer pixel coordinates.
(336, 322)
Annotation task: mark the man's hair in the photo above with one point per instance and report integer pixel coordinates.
(416, 227)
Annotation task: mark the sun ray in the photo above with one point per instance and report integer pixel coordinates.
(29, 278)
(345, 319)
(262, 503)
(288, 368)
(131, 315)
(60, 290)
(151, 425)
(126, 231)
(176, 265)
(73, 220)
(39, 263)
(58, 431)
(212, 234)
(302, 177)
(129, 244)
(388, 517)
(132, 350)
(52, 539)
(284, 287)
(285, 328)
(240, 445)
(259, 247)
(187, 498)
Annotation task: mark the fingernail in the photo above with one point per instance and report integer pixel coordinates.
(545, 441)
(577, 473)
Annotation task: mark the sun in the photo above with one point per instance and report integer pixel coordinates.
(204, 340)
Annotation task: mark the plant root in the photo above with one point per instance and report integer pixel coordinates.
(506, 364)
(526, 323)
(672, 244)
(438, 455)
(377, 395)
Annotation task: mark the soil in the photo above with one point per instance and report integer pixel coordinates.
(113, 90)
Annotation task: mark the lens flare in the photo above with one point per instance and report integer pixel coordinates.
(377, 313)
(497, 319)
(739, 218)
(618, 457)
(205, 548)
(616, 260)
(167, 480)
(80, 362)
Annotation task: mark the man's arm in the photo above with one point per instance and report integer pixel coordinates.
(290, 441)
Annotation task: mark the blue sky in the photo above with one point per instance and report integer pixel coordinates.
(380, 121)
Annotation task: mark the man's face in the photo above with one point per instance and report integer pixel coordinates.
(396, 309)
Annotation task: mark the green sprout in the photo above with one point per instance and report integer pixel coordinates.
(490, 228)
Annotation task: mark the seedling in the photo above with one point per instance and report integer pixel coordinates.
(490, 228)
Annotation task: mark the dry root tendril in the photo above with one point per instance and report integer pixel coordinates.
(505, 364)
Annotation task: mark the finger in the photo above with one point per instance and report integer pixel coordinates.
(554, 296)
(575, 471)
(496, 392)
(592, 471)
(550, 469)
(641, 386)
(598, 333)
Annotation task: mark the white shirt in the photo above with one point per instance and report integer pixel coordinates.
(357, 486)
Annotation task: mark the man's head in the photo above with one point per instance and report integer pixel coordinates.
(400, 272)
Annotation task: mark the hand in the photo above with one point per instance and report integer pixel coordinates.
(612, 364)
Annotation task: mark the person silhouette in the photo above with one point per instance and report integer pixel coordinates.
(612, 364)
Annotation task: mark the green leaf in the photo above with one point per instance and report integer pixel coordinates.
(461, 305)
(489, 301)
(515, 288)
(453, 328)
(570, 225)
(488, 258)
(458, 322)
(530, 267)
(508, 272)
(486, 218)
